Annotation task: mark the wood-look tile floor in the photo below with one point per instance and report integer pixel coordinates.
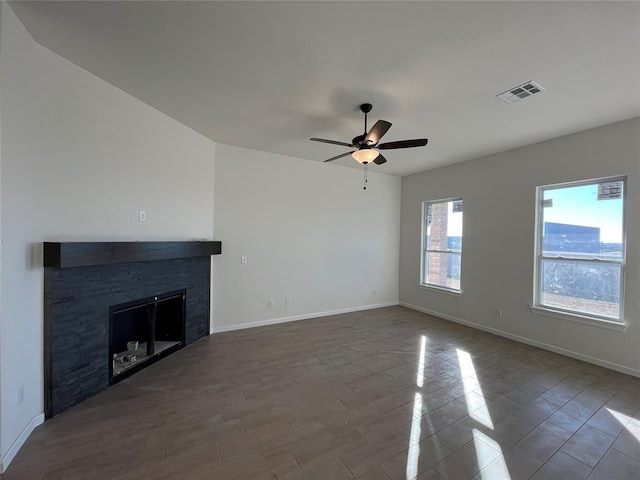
(380, 394)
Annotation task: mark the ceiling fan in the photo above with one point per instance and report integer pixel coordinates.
(367, 146)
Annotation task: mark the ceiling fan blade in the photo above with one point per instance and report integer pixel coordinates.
(332, 142)
(338, 156)
(380, 160)
(418, 142)
(377, 131)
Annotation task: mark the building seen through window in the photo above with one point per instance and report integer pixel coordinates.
(442, 244)
(581, 248)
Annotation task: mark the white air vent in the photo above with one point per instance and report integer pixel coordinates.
(521, 91)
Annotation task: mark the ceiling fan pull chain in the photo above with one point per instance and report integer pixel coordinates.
(365, 176)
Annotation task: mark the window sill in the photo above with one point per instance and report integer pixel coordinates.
(583, 319)
(432, 288)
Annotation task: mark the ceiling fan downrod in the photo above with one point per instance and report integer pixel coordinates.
(365, 108)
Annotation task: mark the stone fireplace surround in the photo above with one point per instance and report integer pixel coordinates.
(83, 280)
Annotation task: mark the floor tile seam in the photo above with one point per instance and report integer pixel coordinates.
(98, 437)
(601, 404)
(533, 454)
(630, 391)
(624, 427)
(455, 451)
(584, 422)
(464, 395)
(358, 407)
(572, 397)
(499, 449)
(452, 451)
(242, 425)
(288, 453)
(435, 391)
(604, 455)
(635, 414)
(298, 463)
(384, 472)
(388, 369)
(553, 385)
(291, 429)
(408, 439)
(533, 427)
(346, 466)
(540, 467)
(503, 456)
(611, 447)
(577, 459)
(571, 433)
(567, 441)
(543, 420)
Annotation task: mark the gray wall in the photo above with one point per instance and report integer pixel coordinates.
(499, 234)
(310, 234)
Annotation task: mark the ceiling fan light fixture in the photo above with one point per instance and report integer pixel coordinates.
(365, 155)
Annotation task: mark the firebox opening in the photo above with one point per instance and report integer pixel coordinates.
(143, 331)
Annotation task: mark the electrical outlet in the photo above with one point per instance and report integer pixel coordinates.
(270, 303)
(142, 216)
(374, 292)
(20, 394)
(498, 312)
(287, 302)
(243, 259)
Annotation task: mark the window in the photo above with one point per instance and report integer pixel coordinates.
(442, 244)
(581, 248)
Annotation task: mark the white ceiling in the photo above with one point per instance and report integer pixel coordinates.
(270, 75)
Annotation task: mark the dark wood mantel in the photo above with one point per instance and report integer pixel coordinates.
(85, 254)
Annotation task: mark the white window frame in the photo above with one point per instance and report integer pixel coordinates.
(424, 251)
(565, 313)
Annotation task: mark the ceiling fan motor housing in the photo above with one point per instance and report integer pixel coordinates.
(359, 140)
(366, 107)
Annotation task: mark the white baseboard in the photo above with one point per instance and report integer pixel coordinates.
(295, 318)
(545, 346)
(15, 446)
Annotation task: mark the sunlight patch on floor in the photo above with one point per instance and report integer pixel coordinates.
(499, 469)
(414, 438)
(471, 383)
(627, 423)
(423, 347)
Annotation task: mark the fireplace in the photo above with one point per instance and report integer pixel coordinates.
(100, 298)
(144, 331)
